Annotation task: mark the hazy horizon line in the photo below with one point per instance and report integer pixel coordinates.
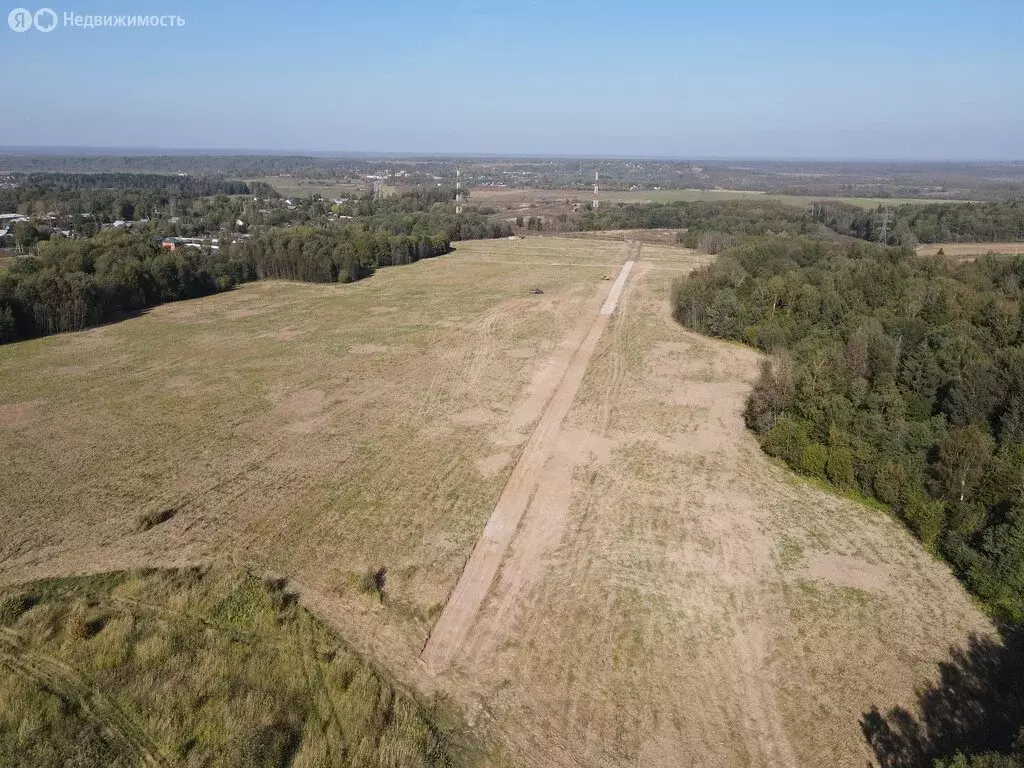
(146, 151)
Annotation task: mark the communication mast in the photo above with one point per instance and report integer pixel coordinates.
(596, 201)
(458, 191)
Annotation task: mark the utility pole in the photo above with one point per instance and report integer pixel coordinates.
(597, 202)
(458, 190)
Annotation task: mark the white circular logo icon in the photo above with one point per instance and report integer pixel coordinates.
(45, 19)
(20, 19)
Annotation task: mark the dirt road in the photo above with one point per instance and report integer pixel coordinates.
(449, 633)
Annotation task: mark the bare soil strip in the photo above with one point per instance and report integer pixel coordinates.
(449, 633)
(617, 286)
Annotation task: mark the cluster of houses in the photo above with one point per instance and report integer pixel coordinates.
(8, 220)
(122, 224)
(174, 243)
(66, 225)
(58, 224)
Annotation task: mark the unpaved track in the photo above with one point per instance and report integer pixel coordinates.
(450, 631)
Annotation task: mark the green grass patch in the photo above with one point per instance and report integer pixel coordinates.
(791, 552)
(197, 668)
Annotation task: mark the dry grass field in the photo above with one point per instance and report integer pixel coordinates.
(669, 597)
(970, 250)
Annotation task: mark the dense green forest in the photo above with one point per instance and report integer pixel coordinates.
(333, 255)
(72, 284)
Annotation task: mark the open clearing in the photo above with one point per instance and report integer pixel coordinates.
(669, 597)
(526, 197)
(296, 186)
(970, 250)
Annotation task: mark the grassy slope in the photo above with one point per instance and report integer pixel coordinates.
(192, 668)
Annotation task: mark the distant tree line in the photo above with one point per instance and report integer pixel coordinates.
(733, 217)
(932, 223)
(898, 377)
(109, 196)
(422, 213)
(717, 224)
(333, 255)
(963, 181)
(184, 185)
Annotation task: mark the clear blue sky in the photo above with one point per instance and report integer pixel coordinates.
(932, 79)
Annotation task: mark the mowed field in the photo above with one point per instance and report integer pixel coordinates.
(970, 250)
(296, 186)
(669, 596)
(526, 197)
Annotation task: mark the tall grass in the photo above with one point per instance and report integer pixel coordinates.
(195, 668)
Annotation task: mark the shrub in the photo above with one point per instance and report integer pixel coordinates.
(150, 519)
(813, 460)
(925, 516)
(839, 466)
(372, 581)
(889, 482)
(787, 441)
(772, 393)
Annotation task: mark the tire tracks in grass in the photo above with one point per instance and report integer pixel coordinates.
(449, 632)
(616, 350)
(70, 685)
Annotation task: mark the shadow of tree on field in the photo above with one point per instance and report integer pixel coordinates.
(977, 705)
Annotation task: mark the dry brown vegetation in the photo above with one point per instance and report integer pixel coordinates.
(671, 597)
(962, 250)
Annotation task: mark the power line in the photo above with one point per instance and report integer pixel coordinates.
(884, 221)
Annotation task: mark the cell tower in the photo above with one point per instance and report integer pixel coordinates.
(596, 201)
(458, 191)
